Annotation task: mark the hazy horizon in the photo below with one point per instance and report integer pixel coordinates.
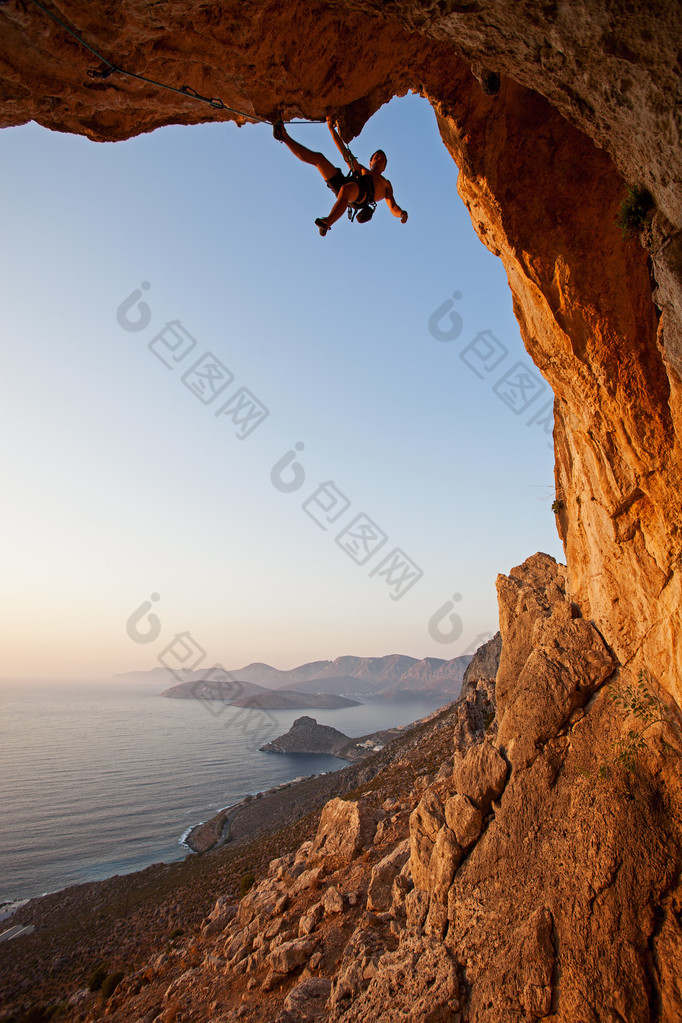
(164, 670)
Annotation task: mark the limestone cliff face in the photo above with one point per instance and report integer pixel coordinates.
(583, 299)
(589, 101)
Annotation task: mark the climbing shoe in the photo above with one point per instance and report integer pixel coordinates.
(322, 225)
(278, 131)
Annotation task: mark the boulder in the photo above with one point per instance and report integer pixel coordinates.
(272, 980)
(464, 819)
(291, 955)
(480, 775)
(345, 830)
(430, 813)
(332, 901)
(309, 879)
(279, 867)
(260, 900)
(240, 945)
(306, 1001)
(224, 911)
(303, 852)
(426, 820)
(380, 891)
(309, 922)
(446, 857)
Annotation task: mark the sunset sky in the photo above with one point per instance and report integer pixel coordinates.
(141, 461)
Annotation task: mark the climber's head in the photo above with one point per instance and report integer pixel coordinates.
(378, 161)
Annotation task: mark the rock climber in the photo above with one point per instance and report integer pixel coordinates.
(359, 189)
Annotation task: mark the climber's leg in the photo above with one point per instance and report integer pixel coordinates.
(347, 194)
(319, 160)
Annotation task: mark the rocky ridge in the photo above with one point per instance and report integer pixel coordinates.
(514, 881)
(318, 683)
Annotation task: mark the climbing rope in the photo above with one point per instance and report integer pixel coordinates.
(186, 90)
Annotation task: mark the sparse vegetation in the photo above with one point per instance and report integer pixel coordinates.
(177, 932)
(96, 978)
(557, 506)
(247, 881)
(635, 210)
(40, 1014)
(641, 700)
(111, 982)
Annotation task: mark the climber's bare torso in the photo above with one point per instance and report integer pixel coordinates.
(382, 186)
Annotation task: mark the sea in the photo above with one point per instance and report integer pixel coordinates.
(106, 778)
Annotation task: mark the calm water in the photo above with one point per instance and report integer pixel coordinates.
(106, 779)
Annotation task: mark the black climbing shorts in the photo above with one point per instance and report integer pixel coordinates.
(364, 183)
(337, 181)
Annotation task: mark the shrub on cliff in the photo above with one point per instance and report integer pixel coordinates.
(40, 1014)
(635, 210)
(641, 701)
(96, 978)
(111, 982)
(247, 881)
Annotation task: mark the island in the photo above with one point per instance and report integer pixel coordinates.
(245, 694)
(307, 736)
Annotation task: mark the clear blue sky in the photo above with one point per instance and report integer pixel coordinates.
(120, 482)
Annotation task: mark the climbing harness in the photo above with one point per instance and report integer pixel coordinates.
(109, 68)
(362, 211)
(362, 214)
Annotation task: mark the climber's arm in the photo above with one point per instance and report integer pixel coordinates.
(341, 145)
(393, 205)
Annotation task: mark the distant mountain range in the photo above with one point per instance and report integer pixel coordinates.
(323, 684)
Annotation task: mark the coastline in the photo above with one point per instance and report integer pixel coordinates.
(125, 919)
(245, 818)
(197, 839)
(216, 831)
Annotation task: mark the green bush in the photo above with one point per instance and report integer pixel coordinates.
(97, 976)
(642, 701)
(111, 983)
(557, 506)
(247, 882)
(41, 1013)
(635, 211)
(57, 1011)
(176, 933)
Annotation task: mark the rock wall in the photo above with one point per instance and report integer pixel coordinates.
(582, 296)
(553, 884)
(588, 101)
